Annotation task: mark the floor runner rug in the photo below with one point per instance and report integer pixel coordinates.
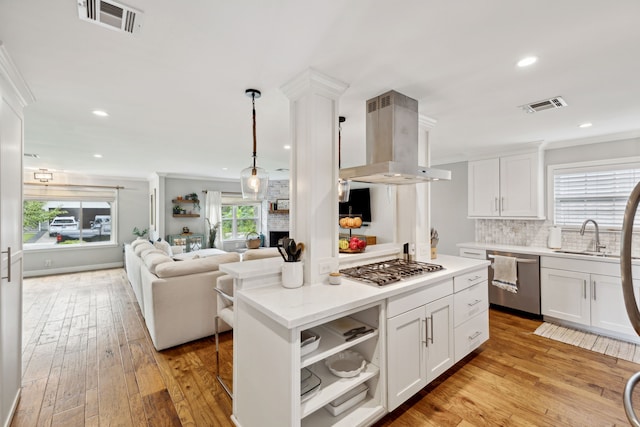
(598, 343)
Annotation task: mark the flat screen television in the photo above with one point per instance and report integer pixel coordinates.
(359, 202)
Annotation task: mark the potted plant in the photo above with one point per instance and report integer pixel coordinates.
(140, 233)
(193, 197)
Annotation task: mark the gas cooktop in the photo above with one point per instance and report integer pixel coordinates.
(387, 272)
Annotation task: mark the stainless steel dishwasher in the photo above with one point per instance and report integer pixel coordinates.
(527, 298)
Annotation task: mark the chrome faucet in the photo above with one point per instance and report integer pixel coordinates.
(597, 244)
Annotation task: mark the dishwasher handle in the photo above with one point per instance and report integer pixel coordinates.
(520, 260)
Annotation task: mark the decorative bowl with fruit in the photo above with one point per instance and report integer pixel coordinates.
(352, 246)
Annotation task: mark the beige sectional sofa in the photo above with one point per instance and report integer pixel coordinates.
(176, 298)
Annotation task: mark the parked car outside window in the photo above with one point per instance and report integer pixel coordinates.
(60, 223)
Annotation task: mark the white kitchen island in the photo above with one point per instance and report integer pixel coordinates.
(269, 320)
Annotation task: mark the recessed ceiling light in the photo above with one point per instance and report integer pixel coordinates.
(224, 169)
(100, 113)
(97, 156)
(529, 60)
(585, 125)
(287, 147)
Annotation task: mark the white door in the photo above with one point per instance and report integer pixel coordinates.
(405, 356)
(519, 185)
(439, 346)
(607, 304)
(565, 295)
(484, 188)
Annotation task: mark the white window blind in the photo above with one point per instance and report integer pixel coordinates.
(598, 193)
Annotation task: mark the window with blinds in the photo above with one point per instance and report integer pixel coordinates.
(598, 192)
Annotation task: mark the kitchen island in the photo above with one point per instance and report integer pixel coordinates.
(269, 320)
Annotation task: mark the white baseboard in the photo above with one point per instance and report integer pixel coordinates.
(76, 269)
(14, 406)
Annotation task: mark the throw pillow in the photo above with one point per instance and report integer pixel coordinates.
(164, 246)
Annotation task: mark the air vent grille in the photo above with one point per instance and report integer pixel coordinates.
(110, 14)
(545, 104)
(385, 101)
(372, 105)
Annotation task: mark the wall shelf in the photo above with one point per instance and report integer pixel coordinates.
(186, 215)
(279, 211)
(185, 201)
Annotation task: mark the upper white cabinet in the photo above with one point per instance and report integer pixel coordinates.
(508, 186)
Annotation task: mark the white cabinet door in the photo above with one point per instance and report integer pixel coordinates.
(439, 334)
(405, 356)
(10, 260)
(607, 304)
(519, 185)
(484, 188)
(565, 295)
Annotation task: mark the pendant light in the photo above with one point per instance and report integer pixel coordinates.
(343, 185)
(254, 180)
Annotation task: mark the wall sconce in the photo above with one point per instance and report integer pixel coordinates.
(43, 175)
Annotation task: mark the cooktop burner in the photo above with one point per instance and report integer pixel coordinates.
(392, 271)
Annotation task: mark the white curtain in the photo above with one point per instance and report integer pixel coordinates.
(213, 201)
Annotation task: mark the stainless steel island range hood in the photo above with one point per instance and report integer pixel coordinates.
(392, 144)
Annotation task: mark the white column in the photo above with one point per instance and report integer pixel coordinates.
(313, 205)
(413, 202)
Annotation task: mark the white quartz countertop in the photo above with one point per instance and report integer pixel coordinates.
(312, 302)
(533, 250)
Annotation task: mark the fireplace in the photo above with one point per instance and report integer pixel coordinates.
(274, 236)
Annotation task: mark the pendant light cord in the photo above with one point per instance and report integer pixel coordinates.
(253, 102)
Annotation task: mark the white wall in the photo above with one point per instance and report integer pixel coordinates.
(133, 211)
(449, 209)
(175, 186)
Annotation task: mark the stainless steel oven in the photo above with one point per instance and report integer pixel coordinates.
(527, 298)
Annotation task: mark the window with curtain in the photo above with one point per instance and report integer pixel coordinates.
(599, 192)
(239, 218)
(57, 217)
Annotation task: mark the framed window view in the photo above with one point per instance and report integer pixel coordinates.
(282, 204)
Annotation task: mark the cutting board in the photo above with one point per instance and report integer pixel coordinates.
(344, 324)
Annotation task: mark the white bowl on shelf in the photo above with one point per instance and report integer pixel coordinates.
(346, 364)
(309, 342)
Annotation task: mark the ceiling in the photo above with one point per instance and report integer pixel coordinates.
(175, 90)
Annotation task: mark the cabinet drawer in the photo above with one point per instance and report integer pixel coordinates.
(465, 280)
(470, 301)
(472, 253)
(405, 302)
(471, 334)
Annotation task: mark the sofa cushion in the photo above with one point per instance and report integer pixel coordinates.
(142, 247)
(260, 254)
(149, 251)
(164, 246)
(194, 266)
(137, 242)
(153, 259)
(202, 253)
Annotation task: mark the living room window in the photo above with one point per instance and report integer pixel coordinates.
(63, 217)
(240, 219)
(598, 191)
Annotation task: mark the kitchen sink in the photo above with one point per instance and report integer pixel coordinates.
(592, 253)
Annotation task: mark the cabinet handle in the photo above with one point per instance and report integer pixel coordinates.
(495, 204)
(502, 204)
(594, 290)
(474, 336)
(8, 276)
(426, 332)
(584, 289)
(471, 304)
(431, 338)
(473, 279)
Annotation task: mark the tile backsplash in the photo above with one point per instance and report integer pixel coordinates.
(536, 233)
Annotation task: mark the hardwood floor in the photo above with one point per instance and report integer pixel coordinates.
(88, 360)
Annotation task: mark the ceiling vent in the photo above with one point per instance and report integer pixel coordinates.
(110, 14)
(545, 104)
